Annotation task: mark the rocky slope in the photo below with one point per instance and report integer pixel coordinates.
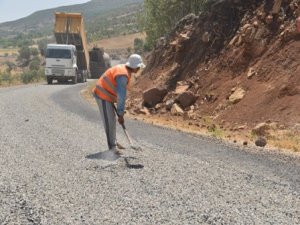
(236, 65)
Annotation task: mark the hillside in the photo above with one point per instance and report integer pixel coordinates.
(233, 70)
(95, 10)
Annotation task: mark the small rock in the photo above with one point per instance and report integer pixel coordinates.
(237, 96)
(145, 111)
(242, 127)
(205, 37)
(251, 73)
(169, 104)
(261, 142)
(176, 110)
(255, 24)
(180, 89)
(245, 143)
(282, 27)
(269, 19)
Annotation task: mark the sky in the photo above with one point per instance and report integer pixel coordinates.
(16, 9)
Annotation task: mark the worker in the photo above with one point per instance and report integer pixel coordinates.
(111, 88)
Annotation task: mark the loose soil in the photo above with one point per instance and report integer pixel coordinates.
(234, 45)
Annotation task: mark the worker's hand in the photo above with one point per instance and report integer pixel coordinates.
(121, 120)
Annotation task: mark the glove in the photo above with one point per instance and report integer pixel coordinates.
(121, 120)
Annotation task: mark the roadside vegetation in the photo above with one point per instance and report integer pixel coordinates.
(20, 66)
(159, 16)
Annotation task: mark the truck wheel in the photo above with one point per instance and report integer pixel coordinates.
(49, 80)
(74, 80)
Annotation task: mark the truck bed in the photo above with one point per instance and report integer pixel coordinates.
(69, 29)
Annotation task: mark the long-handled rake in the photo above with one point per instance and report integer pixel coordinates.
(127, 134)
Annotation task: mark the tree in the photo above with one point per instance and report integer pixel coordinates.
(34, 52)
(35, 64)
(42, 44)
(24, 55)
(160, 16)
(10, 66)
(138, 45)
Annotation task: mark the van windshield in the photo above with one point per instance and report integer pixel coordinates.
(58, 53)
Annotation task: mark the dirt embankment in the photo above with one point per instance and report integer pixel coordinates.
(233, 71)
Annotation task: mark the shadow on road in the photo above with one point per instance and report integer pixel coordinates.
(111, 156)
(132, 166)
(107, 155)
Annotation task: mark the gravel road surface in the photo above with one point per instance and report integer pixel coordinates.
(48, 174)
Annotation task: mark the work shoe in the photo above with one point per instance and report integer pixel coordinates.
(116, 151)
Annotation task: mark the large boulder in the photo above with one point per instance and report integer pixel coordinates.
(154, 96)
(186, 99)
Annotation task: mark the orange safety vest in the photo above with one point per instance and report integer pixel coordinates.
(106, 87)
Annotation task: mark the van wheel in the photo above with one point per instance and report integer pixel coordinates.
(49, 80)
(74, 80)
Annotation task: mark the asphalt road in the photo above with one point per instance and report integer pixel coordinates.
(49, 173)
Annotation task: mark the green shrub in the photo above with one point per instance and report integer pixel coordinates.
(160, 16)
(28, 76)
(35, 64)
(138, 45)
(10, 66)
(6, 77)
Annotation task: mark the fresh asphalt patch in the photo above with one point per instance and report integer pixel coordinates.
(111, 156)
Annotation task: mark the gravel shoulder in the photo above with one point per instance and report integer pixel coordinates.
(47, 132)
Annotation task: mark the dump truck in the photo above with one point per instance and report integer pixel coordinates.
(68, 58)
(99, 62)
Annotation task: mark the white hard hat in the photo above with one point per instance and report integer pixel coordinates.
(135, 61)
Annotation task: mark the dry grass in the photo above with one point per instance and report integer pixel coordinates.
(286, 139)
(9, 51)
(121, 42)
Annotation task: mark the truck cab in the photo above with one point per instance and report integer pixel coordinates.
(68, 59)
(61, 63)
